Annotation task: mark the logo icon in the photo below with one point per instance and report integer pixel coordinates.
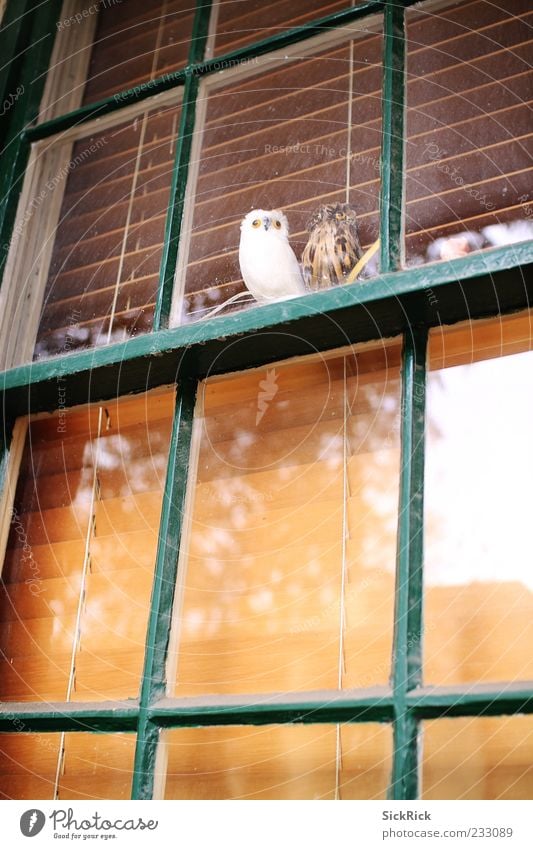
(32, 822)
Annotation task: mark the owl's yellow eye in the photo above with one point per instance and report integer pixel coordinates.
(256, 223)
(339, 216)
(277, 225)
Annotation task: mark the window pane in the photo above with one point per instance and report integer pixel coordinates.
(74, 765)
(137, 41)
(77, 575)
(469, 146)
(294, 135)
(288, 571)
(479, 467)
(478, 758)
(239, 23)
(277, 762)
(104, 269)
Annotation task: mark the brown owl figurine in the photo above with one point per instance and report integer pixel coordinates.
(333, 247)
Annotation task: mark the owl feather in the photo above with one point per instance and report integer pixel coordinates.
(333, 248)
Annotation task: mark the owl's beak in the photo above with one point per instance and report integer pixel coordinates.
(266, 223)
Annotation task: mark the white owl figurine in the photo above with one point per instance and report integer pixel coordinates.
(268, 264)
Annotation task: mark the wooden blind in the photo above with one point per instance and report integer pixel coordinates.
(77, 575)
(105, 262)
(239, 23)
(137, 41)
(66, 766)
(289, 579)
(469, 142)
(479, 593)
(305, 133)
(478, 758)
(278, 762)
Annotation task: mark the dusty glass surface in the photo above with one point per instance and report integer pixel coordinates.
(478, 758)
(77, 575)
(288, 563)
(238, 23)
(294, 132)
(107, 246)
(135, 42)
(479, 467)
(469, 143)
(276, 762)
(76, 765)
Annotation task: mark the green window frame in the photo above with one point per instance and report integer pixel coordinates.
(398, 302)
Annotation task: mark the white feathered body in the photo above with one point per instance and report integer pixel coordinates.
(268, 264)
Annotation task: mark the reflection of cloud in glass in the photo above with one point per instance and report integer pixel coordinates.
(292, 547)
(479, 472)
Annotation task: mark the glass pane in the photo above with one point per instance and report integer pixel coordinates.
(288, 571)
(135, 42)
(277, 762)
(469, 147)
(77, 575)
(65, 766)
(239, 23)
(292, 138)
(479, 467)
(478, 758)
(104, 270)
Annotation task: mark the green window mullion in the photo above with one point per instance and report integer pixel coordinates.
(181, 166)
(325, 707)
(41, 717)
(201, 67)
(153, 682)
(14, 35)
(393, 143)
(407, 661)
(476, 700)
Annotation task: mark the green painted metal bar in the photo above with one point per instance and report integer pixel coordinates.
(68, 716)
(113, 103)
(435, 295)
(181, 170)
(153, 684)
(473, 700)
(14, 33)
(393, 139)
(375, 705)
(407, 671)
(201, 68)
(31, 78)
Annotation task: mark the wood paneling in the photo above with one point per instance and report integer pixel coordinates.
(276, 762)
(291, 549)
(78, 571)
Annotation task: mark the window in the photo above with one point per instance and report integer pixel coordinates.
(213, 526)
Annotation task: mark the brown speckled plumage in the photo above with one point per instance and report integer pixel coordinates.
(333, 247)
